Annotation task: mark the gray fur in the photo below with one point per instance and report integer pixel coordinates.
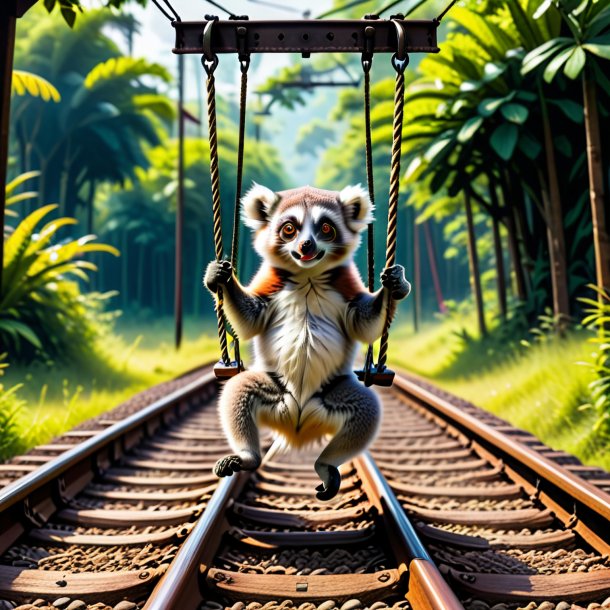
(305, 330)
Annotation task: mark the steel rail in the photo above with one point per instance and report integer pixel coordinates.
(307, 36)
(33, 498)
(179, 588)
(427, 589)
(586, 506)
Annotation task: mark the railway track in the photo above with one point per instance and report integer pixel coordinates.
(450, 509)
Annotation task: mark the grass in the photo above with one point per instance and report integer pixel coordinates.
(538, 388)
(56, 397)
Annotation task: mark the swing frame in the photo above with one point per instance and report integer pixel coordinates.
(306, 36)
(368, 36)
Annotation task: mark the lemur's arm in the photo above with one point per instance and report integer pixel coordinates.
(244, 308)
(367, 313)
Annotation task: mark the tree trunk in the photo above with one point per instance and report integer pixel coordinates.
(416, 276)
(498, 252)
(513, 243)
(554, 222)
(141, 262)
(434, 269)
(125, 269)
(90, 207)
(499, 258)
(601, 241)
(179, 208)
(473, 259)
(8, 19)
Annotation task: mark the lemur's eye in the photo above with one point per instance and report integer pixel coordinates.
(288, 232)
(328, 232)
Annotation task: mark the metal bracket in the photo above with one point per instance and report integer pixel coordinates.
(305, 37)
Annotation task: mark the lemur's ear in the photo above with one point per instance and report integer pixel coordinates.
(257, 205)
(357, 207)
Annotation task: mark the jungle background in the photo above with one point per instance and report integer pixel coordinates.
(501, 223)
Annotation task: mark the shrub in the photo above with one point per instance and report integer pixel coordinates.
(10, 405)
(598, 319)
(43, 311)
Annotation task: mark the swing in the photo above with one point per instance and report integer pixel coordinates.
(370, 374)
(241, 36)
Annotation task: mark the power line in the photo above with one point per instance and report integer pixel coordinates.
(447, 9)
(412, 8)
(222, 8)
(175, 17)
(341, 8)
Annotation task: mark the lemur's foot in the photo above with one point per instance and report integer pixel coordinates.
(227, 466)
(331, 481)
(218, 273)
(393, 278)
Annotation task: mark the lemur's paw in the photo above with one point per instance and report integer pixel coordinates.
(393, 278)
(217, 274)
(227, 466)
(328, 488)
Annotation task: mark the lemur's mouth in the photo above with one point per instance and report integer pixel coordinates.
(308, 257)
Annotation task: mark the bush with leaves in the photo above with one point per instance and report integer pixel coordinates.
(10, 405)
(43, 311)
(598, 320)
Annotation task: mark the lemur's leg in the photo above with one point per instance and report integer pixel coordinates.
(360, 410)
(241, 402)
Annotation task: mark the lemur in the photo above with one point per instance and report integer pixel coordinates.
(305, 310)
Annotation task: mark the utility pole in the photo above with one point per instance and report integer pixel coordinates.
(179, 206)
(8, 22)
(10, 11)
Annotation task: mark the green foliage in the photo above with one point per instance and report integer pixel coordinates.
(13, 197)
(140, 220)
(70, 9)
(26, 83)
(10, 407)
(588, 23)
(43, 311)
(109, 112)
(598, 319)
(313, 137)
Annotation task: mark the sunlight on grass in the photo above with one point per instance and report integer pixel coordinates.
(59, 397)
(539, 388)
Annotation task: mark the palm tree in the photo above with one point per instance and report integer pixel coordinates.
(107, 114)
(581, 54)
(473, 112)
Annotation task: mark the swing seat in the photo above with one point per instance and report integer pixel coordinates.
(373, 376)
(226, 371)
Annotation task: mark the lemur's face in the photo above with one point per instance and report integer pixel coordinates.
(307, 228)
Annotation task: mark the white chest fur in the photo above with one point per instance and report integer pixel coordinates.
(305, 340)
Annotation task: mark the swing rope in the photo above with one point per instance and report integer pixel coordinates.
(210, 63)
(244, 64)
(400, 62)
(367, 63)
(210, 66)
(371, 373)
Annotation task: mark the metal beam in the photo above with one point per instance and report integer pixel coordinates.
(8, 20)
(307, 36)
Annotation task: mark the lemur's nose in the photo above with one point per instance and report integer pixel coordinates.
(307, 246)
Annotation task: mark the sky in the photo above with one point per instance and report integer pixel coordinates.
(156, 40)
(156, 37)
